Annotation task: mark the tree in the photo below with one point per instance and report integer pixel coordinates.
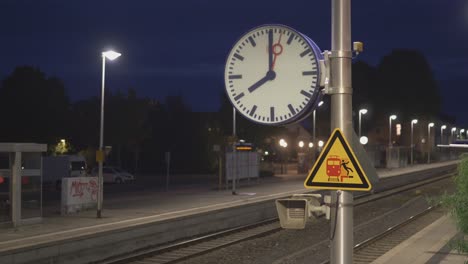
(33, 107)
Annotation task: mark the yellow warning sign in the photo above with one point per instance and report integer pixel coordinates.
(337, 168)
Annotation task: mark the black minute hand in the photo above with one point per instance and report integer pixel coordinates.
(270, 49)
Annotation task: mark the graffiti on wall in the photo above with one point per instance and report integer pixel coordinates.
(84, 189)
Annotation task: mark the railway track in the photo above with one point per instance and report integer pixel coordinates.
(189, 248)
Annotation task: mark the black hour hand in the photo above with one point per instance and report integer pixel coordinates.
(268, 77)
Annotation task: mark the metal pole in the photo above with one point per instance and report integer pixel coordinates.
(342, 242)
(101, 142)
(412, 142)
(313, 137)
(359, 124)
(441, 135)
(234, 158)
(428, 144)
(390, 131)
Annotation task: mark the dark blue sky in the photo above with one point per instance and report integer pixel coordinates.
(179, 47)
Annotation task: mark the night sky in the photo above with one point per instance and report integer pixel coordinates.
(180, 47)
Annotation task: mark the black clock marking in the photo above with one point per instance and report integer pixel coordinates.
(236, 55)
(306, 94)
(291, 108)
(305, 73)
(290, 39)
(252, 111)
(239, 96)
(272, 113)
(252, 42)
(237, 76)
(307, 51)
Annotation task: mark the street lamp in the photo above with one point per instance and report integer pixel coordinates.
(442, 133)
(313, 125)
(414, 121)
(311, 145)
(461, 133)
(429, 142)
(361, 112)
(111, 55)
(392, 117)
(301, 144)
(453, 131)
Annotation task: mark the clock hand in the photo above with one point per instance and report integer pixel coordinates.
(270, 49)
(270, 75)
(277, 49)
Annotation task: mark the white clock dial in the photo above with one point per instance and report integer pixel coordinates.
(272, 75)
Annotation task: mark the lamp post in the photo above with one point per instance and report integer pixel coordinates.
(442, 133)
(361, 112)
(413, 122)
(453, 131)
(462, 131)
(429, 142)
(392, 117)
(111, 55)
(313, 125)
(283, 144)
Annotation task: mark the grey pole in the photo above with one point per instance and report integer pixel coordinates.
(234, 154)
(412, 142)
(101, 141)
(342, 241)
(390, 131)
(359, 133)
(313, 136)
(428, 144)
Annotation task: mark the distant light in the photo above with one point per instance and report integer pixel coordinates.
(311, 145)
(320, 103)
(363, 140)
(281, 142)
(414, 121)
(393, 117)
(301, 144)
(363, 111)
(463, 130)
(443, 127)
(285, 145)
(320, 143)
(431, 124)
(241, 141)
(266, 153)
(398, 129)
(454, 129)
(111, 55)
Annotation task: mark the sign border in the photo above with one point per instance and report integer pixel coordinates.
(365, 186)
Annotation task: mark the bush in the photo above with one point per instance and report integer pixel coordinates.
(457, 203)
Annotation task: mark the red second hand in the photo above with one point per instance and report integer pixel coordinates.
(275, 52)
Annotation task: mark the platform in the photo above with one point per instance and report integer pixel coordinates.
(143, 208)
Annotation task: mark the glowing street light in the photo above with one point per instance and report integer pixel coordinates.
(429, 147)
(301, 144)
(311, 145)
(390, 118)
(111, 55)
(320, 143)
(414, 121)
(462, 131)
(361, 112)
(363, 140)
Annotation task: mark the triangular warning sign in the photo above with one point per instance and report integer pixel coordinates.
(337, 168)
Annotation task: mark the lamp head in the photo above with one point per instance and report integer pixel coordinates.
(462, 130)
(414, 121)
(320, 103)
(392, 117)
(363, 111)
(111, 55)
(311, 145)
(301, 144)
(430, 125)
(443, 127)
(454, 129)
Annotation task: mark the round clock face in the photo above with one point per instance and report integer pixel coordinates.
(272, 75)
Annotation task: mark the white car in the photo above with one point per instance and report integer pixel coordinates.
(114, 175)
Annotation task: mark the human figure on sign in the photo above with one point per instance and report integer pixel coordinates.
(343, 164)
